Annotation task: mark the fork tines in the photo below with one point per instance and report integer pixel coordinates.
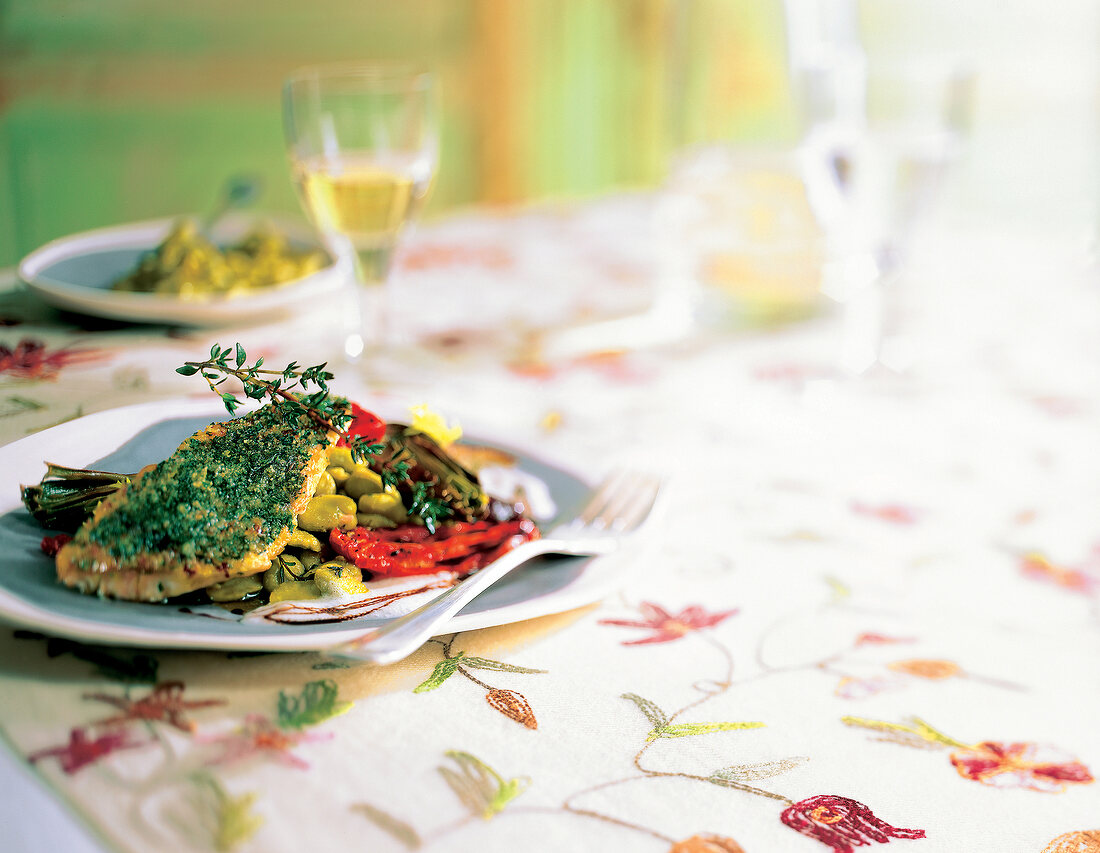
(622, 501)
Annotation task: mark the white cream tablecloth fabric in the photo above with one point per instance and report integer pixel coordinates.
(867, 613)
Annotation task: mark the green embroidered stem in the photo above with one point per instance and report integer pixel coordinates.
(481, 789)
(919, 728)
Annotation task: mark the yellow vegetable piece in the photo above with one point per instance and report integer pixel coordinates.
(325, 512)
(235, 589)
(304, 539)
(295, 591)
(326, 485)
(433, 425)
(340, 457)
(373, 520)
(339, 475)
(363, 481)
(387, 503)
(310, 559)
(336, 580)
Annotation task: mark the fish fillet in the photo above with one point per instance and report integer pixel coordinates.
(222, 506)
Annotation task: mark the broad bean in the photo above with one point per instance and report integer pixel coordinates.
(294, 591)
(325, 512)
(235, 589)
(362, 481)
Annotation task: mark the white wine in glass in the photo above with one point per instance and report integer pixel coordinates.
(363, 143)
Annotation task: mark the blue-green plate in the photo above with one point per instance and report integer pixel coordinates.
(128, 438)
(75, 273)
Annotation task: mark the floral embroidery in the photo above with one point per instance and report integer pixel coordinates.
(441, 255)
(841, 823)
(316, 703)
(482, 790)
(894, 513)
(1086, 841)
(258, 736)
(165, 704)
(81, 750)
(228, 820)
(1020, 765)
(869, 638)
(667, 626)
(664, 727)
(933, 670)
(1001, 765)
(32, 359)
(707, 844)
(862, 688)
(1082, 579)
(508, 702)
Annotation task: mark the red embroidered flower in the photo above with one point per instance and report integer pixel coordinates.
(81, 750)
(260, 737)
(894, 513)
(1020, 765)
(668, 626)
(870, 638)
(31, 359)
(841, 823)
(165, 704)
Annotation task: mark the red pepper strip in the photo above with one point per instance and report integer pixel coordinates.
(419, 533)
(390, 559)
(370, 428)
(370, 551)
(464, 544)
(527, 531)
(50, 545)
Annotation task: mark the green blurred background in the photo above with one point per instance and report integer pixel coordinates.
(119, 110)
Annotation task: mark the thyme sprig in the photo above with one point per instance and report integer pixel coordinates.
(304, 389)
(429, 509)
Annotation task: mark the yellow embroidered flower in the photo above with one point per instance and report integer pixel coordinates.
(433, 425)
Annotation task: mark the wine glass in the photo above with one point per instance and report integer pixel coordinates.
(878, 138)
(363, 141)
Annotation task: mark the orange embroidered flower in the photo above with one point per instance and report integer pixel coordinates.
(841, 823)
(1086, 841)
(260, 737)
(1038, 567)
(1020, 765)
(706, 844)
(930, 669)
(669, 626)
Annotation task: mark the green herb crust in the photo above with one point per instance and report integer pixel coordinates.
(225, 492)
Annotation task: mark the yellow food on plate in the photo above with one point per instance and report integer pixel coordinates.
(188, 265)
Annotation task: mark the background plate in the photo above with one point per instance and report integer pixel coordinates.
(127, 438)
(75, 273)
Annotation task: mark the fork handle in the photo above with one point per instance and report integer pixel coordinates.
(405, 634)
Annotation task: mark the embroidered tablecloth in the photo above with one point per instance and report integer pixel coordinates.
(867, 612)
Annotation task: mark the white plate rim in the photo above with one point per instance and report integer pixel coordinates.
(22, 462)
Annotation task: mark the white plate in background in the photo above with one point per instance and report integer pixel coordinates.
(75, 273)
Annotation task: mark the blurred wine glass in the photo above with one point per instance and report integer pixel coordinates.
(363, 146)
(877, 140)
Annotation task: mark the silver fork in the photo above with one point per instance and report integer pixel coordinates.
(617, 507)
